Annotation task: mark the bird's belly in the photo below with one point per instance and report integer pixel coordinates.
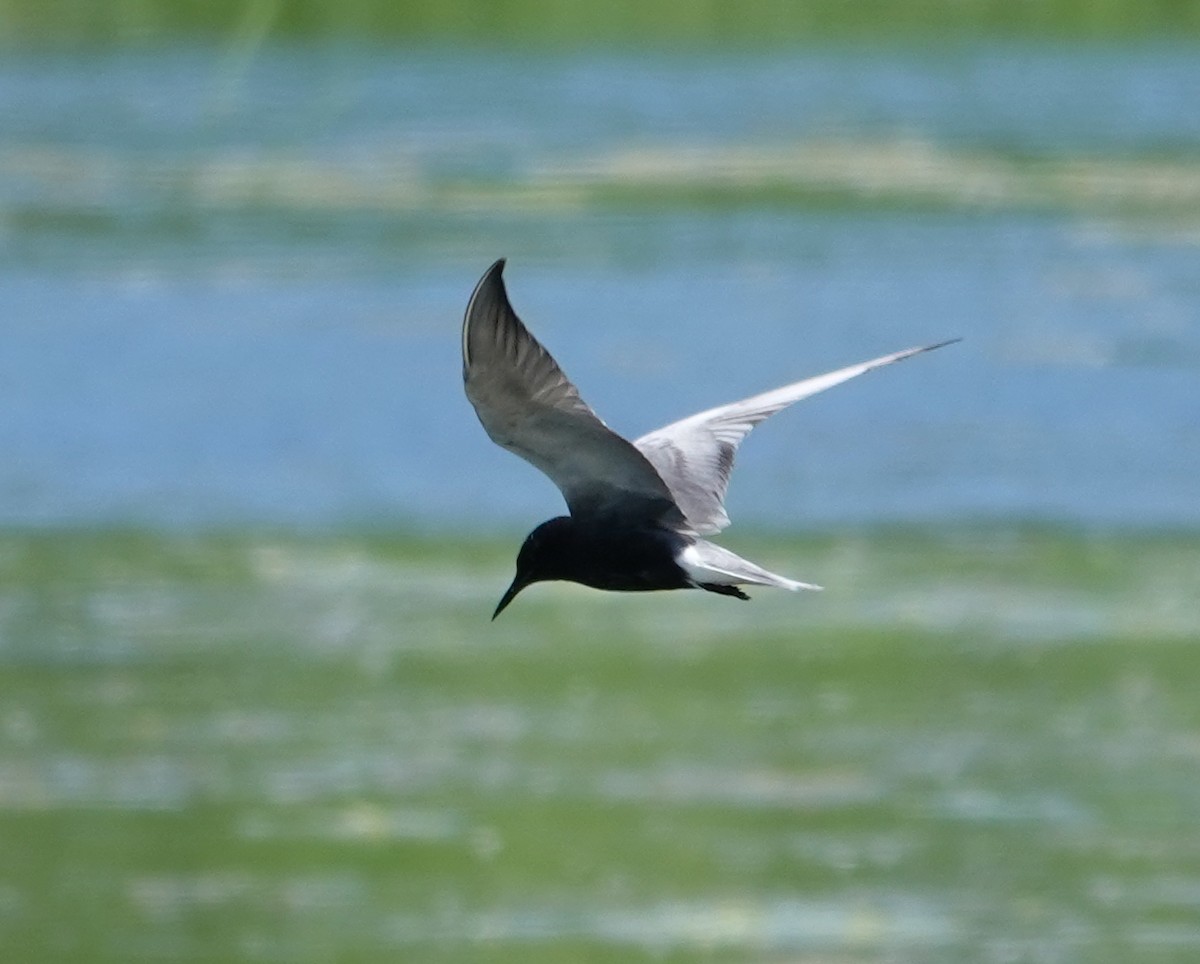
(637, 561)
(637, 580)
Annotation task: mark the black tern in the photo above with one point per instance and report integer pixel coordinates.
(637, 509)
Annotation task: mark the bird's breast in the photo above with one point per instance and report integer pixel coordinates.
(634, 560)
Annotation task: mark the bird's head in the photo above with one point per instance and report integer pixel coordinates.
(543, 557)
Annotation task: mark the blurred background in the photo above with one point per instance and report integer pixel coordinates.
(251, 707)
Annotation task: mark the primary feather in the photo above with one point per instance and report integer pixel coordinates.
(529, 406)
(695, 455)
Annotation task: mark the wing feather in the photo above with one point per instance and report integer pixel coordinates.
(529, 406)
(695, 455)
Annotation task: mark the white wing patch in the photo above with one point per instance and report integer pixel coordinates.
(695, 455)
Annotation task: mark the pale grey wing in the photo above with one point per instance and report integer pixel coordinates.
(528, 406)
(695, 455)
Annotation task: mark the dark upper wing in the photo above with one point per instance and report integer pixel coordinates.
(694, 456)
(528, 406)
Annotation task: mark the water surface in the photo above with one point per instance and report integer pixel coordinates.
(232, 291)
(251, 707)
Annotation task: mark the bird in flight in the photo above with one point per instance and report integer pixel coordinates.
(638, 509)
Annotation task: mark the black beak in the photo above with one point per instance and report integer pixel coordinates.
(510, 594)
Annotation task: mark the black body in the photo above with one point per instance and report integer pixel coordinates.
(605, 553)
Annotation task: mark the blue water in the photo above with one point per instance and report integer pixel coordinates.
(230, 287)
